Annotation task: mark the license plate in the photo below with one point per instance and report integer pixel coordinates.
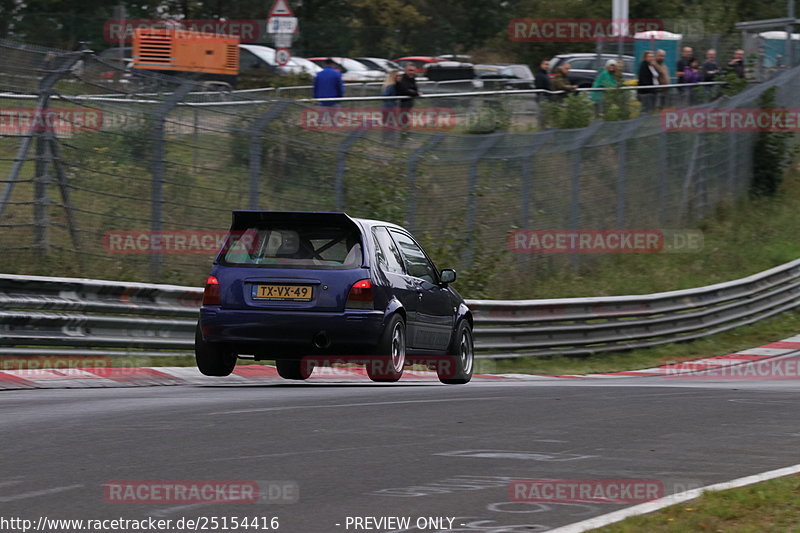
(301, 293)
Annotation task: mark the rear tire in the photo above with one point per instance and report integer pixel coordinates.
(294, 368)
(388, 366)
(213, 359)
(457, 370)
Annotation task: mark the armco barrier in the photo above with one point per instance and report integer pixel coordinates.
(42, 315)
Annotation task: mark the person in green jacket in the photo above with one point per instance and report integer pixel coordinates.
(608, 78)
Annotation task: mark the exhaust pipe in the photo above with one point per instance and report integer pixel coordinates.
(321, 340)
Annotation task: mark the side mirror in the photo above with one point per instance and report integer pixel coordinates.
(448, 275)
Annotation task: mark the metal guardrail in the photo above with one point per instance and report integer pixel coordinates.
(93, 317)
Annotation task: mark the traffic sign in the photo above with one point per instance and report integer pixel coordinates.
(282, 40)
(282, 56)
(281, 9)
(282, 25)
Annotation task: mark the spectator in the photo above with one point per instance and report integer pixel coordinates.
(407, 86)
(692, 73)
(662, 68)
(328, 83)
(607, 79)
(686, 54)
(542, 78)
(561, 81)
(648, 75)
(710, 68)
(663, 78)
(389, 106)
(736, 65)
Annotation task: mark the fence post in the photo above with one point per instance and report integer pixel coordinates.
(40, 183)
(663, 167)
(491, 140)
(575, 180)
(411, 174)
(45, 90)
(341, 166)
(158, 146)
(256, 132)
(629, 130)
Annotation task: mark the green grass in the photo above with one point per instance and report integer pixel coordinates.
(739, 240)
(770, 506)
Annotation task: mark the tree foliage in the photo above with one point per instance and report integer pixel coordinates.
(374, 27)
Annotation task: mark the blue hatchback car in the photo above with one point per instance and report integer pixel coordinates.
(297, 287)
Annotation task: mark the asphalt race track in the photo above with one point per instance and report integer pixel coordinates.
(411, 449)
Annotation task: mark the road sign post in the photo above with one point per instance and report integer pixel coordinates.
(282, 25)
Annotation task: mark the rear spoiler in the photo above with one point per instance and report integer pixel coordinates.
(248, 219)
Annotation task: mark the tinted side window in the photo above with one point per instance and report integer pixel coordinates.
(417, 264)
(248, 60)
(583, 64)
(388, 257)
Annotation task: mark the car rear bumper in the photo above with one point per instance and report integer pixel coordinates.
(315, 332)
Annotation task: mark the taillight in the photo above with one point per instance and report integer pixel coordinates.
(360, 296)
(211, 292)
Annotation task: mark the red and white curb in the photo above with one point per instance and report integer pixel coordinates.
(254, 374)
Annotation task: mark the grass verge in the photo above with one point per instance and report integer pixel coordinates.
(772, 505)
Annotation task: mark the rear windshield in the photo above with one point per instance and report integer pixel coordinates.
(293, 246)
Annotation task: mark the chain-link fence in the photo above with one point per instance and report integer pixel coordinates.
(106, 186)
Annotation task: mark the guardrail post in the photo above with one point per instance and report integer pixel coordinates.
(256, 132)
(411, 174)
(158, 146)
(341, 166)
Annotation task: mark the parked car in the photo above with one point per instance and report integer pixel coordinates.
(585, 66)
(257, 57)
(300, 65)
(450, 71)
(113, 66)
(378, 63)
(288, 285)
(506, 76)
(352, 70)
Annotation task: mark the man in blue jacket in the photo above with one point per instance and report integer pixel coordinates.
(328, 83)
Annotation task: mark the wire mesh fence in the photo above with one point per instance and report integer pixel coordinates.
(132, 176)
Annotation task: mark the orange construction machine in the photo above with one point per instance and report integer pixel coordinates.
(185, 53)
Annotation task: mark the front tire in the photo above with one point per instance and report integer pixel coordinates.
(457, 370)
(388, 366)
(294, 368)
(213, 359)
